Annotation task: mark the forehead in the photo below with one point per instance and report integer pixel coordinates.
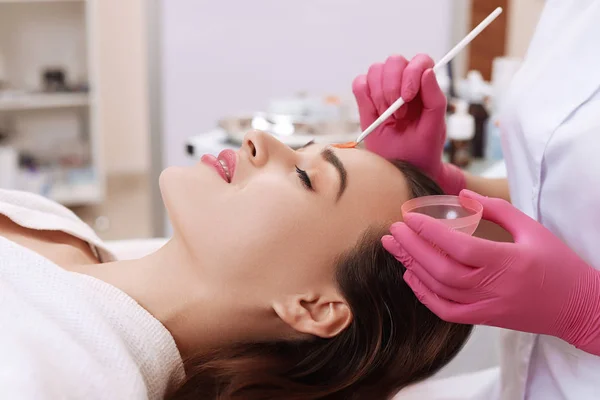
(376, 189)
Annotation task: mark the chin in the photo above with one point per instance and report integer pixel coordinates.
(180, 177)
(187, 190)
(166, 178)
(164, 185)
(175, 182)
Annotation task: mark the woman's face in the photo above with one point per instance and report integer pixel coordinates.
(277, 224)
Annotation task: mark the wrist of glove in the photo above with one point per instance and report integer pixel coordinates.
(579, 321)
(451, 179)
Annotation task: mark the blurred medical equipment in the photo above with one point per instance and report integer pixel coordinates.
(297, 120)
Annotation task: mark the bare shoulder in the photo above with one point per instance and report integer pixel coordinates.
(59, 247)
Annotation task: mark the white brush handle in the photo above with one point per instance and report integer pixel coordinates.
(441, 64)
(386, 114)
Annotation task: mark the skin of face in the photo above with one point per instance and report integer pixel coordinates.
(265, 244)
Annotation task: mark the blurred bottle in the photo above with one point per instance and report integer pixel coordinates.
(493, 147)
(475, 90)
(461, 131)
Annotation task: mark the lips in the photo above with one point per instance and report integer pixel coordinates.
(224, 164)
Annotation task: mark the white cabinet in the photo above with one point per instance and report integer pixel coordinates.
(48, 109)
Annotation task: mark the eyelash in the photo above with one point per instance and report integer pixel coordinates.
(304, 178)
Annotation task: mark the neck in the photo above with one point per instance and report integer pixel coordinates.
(169, 285)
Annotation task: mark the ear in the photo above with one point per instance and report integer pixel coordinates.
(322, 316)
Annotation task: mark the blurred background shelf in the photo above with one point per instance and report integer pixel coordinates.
(76, 194)
(35, 101)
(48, 115)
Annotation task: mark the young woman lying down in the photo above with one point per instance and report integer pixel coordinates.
(275, 285)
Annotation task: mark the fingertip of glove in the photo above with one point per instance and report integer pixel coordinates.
(411, 219)
(396, 228)
(359, 83)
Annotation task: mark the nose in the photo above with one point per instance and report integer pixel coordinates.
(263, 148)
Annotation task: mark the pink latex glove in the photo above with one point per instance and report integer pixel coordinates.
(416, 133)
(536, 284)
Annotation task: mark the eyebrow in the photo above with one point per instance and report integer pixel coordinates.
(329, 156)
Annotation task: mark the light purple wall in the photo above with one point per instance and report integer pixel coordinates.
(226, 56)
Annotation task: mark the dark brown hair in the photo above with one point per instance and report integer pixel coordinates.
(393, 340)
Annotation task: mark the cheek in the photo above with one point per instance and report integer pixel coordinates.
(270, 211)
(283, 231)
(268, 228)
(214, 214)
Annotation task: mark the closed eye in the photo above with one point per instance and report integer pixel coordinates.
(304, 178)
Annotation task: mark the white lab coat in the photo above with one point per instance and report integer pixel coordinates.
(551, 141)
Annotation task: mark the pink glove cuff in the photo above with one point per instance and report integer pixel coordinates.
(579, 322)
(451, 179)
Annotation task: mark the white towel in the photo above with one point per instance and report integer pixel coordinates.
(69, 336)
